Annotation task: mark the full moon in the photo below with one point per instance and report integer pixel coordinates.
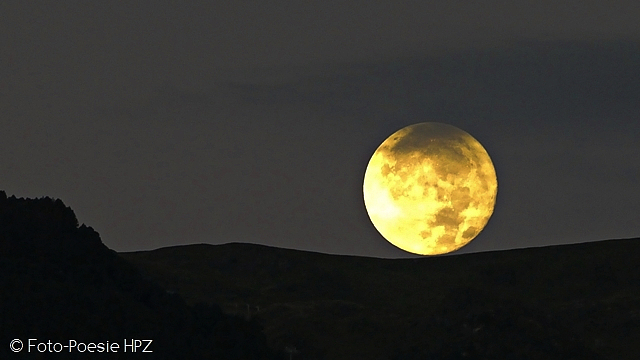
(430, 188)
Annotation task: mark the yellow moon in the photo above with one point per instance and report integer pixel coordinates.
(430, 188)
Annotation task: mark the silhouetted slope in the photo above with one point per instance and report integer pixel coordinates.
(577, 301)
(60, 282)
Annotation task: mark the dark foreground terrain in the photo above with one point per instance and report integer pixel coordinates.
(60, 283)
(243, 301)
(560, 302)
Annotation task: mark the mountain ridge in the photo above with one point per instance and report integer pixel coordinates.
(240, 243)
(545, 291)
(251, 301)
(61, 283)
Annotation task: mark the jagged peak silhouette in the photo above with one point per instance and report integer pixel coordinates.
(44, 227)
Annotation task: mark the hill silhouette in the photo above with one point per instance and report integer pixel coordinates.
(578, 301)
(60, 282)
(240, 301)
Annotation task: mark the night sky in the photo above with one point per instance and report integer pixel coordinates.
(166, 123)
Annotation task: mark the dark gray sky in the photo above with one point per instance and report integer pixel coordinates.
(165, 123)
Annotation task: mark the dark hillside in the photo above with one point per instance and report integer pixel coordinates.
(577, 301)
(60, 282)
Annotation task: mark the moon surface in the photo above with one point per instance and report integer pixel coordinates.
(430, 188)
